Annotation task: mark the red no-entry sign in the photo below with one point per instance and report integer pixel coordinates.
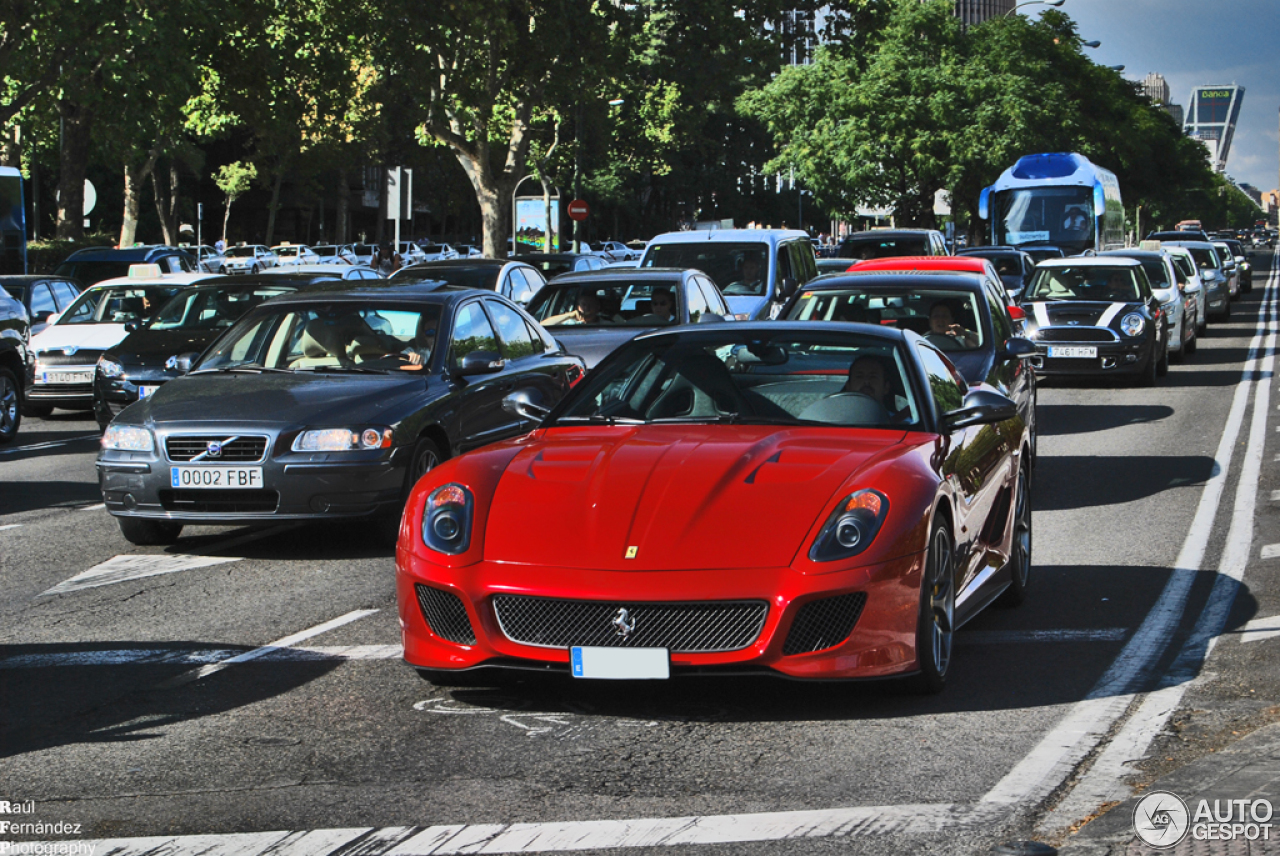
(578, 209)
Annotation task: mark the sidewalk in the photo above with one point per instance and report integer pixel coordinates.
(1248, 769)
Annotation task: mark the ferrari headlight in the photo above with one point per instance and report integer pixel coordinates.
(342, 439)
(446, 519)
(109, 368)
(1132, 324)
(852, 526)
(128, 438)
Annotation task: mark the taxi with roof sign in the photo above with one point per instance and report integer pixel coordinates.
(67, 351)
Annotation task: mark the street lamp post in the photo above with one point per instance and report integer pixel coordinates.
(1035, 3)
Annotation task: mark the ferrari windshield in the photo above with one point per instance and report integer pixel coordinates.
(762, 377)
(948, 319)
(211, 308)
(340, 336)
(1087, 282)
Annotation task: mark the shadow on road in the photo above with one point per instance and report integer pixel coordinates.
(1056, 419)
(48, 494)
(1088, 481)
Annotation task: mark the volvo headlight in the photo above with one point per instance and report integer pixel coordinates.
(342, 439)
(851, 527)
(446, 519)
(1133, 324)
(128, 438)
(109, 368)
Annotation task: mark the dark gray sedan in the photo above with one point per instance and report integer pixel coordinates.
(327, 404)
(593, 313)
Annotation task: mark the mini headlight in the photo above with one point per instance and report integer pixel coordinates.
(1133, 324)
(446, 519)
(852, 526)
(128, 438)
(109, 368)
(342, 439)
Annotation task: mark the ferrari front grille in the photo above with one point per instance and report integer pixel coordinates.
(825, 623)
(229, 448)
(699, 627)
(445, 615)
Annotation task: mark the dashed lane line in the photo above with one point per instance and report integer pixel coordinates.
(52, 444)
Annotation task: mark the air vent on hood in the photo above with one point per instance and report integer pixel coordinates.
(563, 464)
(789, 466)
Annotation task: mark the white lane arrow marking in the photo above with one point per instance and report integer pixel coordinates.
(119, 569)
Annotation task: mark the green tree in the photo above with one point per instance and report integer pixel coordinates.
(233, 179)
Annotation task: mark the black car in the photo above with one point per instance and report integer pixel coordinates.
(554, 264)
(150, 354)
(327, 404)
(514, 280)
(980, 338)
(629, 301)
(1013, 265)
(16, 364)
(94, 264)
(885, 243)
(43, 296)
(1096, 316)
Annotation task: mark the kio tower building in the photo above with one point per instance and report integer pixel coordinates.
(1212, 112)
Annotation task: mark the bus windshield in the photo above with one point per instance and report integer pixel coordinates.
(1046, 215)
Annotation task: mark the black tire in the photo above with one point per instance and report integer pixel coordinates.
(935, 623)
(1020, 556)
(426, 457)
(145, 533)
(1149, 372)
(10, 406)
(37, 411)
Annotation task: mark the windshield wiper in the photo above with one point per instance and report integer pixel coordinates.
(348, 369)
(244, 369)
(601, 419)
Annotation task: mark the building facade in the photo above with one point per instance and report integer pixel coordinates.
(976, 11)
(1212, 113)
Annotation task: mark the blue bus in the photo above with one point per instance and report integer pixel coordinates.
(1062, 200)
(13, 223)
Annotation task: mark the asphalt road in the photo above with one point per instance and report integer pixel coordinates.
(122, 711)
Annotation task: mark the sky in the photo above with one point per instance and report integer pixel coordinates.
(1195, 42)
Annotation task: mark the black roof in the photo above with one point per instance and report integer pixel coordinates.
(28, 278)
(660, 274)
(533, 258)
(135, 254)
(746, 328)
(458, 264)
(384, 291)
(986, 252)
(887, 233)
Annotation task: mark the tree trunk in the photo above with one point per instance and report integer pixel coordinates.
(275, 205)
(341, 215)
(174, 185)
(158, 193)
(77, 130)
(135, 176)
(226, 215)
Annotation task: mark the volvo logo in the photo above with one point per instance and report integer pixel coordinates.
(623, 624)
(213, 449)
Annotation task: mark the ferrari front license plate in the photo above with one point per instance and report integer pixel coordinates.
(66, 377)
(243, 478)
(621, 664)
(1062, 351)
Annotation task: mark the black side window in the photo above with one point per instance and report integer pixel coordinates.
(42, 299)
(944, 382)
(513, 332)
(471, 332)
(694, 300)
(712, 295)
(1000, 322)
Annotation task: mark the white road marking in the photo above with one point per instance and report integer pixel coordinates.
(1259, 629)
(1270, 551)
(196, 657)
(1104, 781)
(863, 821)
(269, 649)
(49, 445)
(10, 526)
(1018, 637)
(119, 569)
(1088, 722)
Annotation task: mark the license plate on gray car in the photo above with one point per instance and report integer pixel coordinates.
(215, 478)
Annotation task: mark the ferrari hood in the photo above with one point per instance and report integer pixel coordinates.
(672, 497)
(1076, 313)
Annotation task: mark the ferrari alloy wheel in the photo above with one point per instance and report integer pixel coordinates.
(935, 630)
(148, 532)
(10, 406)
(1020, 551)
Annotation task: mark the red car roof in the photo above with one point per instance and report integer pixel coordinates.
(965, 264)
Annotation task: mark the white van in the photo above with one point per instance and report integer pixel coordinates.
(755, 269)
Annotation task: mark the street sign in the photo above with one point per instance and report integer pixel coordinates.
(578, 210)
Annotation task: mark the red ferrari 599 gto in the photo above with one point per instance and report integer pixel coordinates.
(808, 500)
